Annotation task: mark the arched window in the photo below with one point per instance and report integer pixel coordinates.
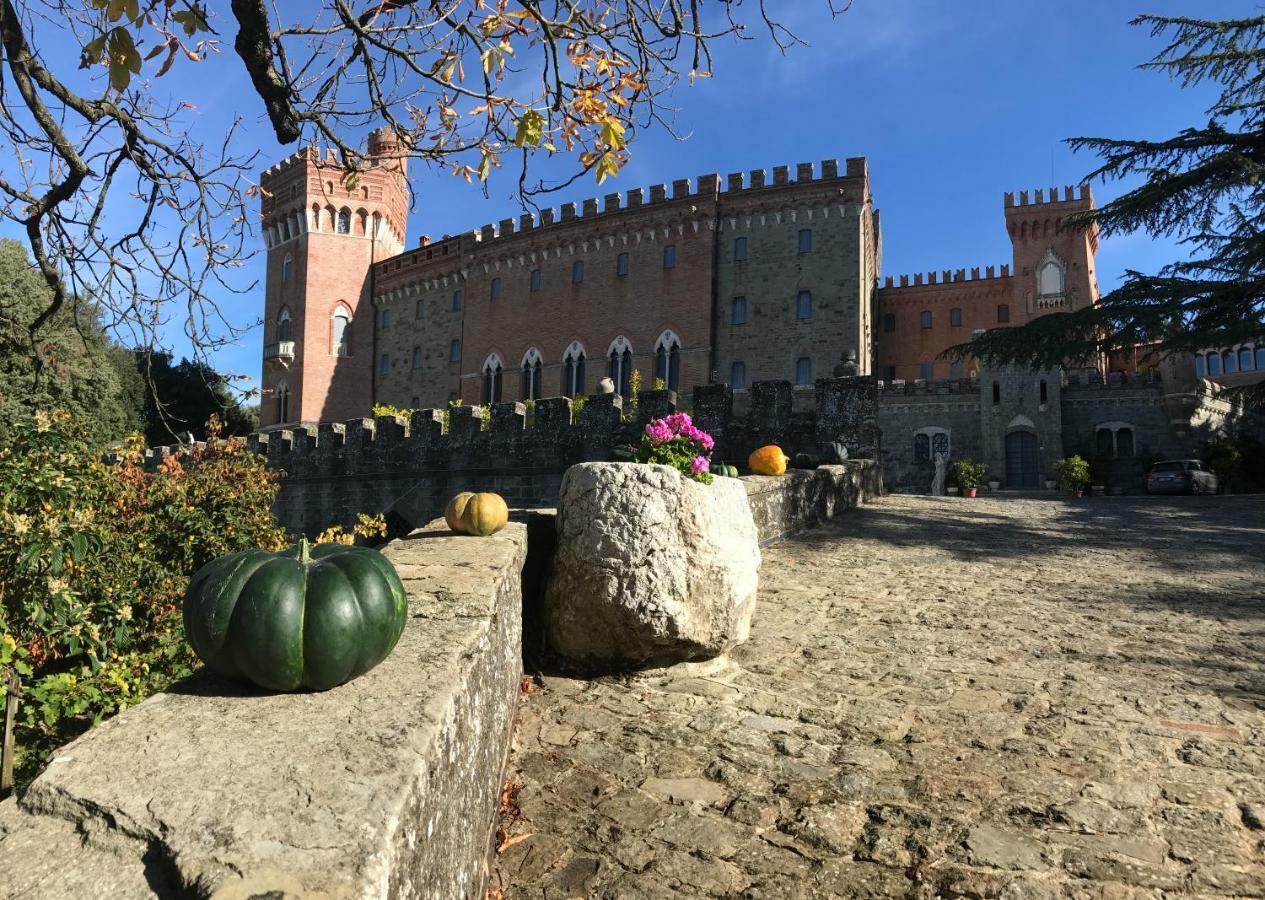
(344, 221)
(1214, 364)
(340, 333)
(577, 271)
(283, 324)
(1050, 279)
(1229, 362)
(420, 312)
(924, 319)
(492, 370)
(804, 305)
(740, 249)
(1260, 357)
(804, 370)
(573, 370)
(620, 356)
(417, 357)
(930, 441)
(282, 396)
(1115, 440)
(1245, 360)
(738, 376)
(667, 352)
(1201, 367)
(531, 374)
(285, 229)
(286, 265)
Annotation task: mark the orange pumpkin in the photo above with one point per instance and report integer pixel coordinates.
(484, 514)
(454, 510)
(768, 460)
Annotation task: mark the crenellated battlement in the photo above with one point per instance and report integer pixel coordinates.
(1078, 194)
(412, 466)
(947, 277)
(706, 188)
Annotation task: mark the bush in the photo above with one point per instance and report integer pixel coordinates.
(969, 473)
(1071, 473)
(94, 560)
(677, 442)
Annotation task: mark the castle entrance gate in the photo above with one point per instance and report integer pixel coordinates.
(1022, 460)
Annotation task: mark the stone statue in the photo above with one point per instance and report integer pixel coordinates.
(847, 364)
(937, 483)
(606, 386)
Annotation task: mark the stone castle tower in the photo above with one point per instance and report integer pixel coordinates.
(324, 232)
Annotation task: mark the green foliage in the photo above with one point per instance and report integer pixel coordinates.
(83, 372)
(577, 407)
(385, 409)
(1239, 461)
(181, 397)
(969, 473)
(1071, 473)
(677, 442)
(1204, 185)
(634, 389)
(94, 559)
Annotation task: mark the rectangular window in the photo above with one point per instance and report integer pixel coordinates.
(804, 305)
(891, 373)
(421, 309)
(417, 357)
(456, 300)
(955, 317)
(739, 314)
(1003, 312)
(925, 371)
(496, 288)
(621, 264)
(924, 319)
(577, 271)
(805, 240)
(454, 352)
(386, 319)
(535, 280)
(889, 321)
(740, 249)
(803, 370)
(384, 364)
(417, 401)
(669, 256)
(738, 376)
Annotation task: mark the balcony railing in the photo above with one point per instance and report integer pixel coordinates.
(281, 352)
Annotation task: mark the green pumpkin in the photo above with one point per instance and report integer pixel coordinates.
(311, 617)
(731, 471)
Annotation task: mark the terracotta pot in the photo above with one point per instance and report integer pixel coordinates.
(969, 492)
(1076, 493)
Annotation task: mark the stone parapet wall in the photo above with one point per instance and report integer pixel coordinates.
(383, 787)
(801, 499)
(408, 470)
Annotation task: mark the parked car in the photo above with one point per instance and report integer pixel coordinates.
(1181, 476)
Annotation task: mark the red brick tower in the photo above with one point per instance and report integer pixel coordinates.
(324, 232)
(1053, 268)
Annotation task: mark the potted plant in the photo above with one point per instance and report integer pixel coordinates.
(968, 474)
(1072, 474)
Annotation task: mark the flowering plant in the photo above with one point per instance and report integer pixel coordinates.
(677, 442)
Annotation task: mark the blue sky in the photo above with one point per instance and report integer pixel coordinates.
(952, 103)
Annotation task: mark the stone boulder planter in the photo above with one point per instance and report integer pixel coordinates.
(651, 568)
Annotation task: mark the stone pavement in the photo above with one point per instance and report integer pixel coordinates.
(941, 697)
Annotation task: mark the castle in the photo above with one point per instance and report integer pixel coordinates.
(753, 280)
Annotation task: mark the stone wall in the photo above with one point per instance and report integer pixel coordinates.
(904, 409)
(384, 787)
(801, 499)
(408, 470)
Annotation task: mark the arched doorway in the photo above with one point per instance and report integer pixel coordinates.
(1023, 462)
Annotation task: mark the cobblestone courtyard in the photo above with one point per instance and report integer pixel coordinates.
(941, 697)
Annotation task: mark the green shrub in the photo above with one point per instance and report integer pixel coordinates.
(1071, 473)
(94, 560)
(968, 473)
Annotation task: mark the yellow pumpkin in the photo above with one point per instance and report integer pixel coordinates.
(484, 514)
(768, 460)
(454, 510)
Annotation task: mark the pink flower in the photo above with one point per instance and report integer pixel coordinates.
(698, 465)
